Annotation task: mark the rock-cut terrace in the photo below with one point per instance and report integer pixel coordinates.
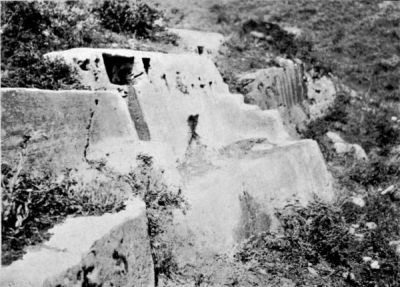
(176, 108)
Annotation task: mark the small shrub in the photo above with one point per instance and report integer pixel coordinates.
(376, 172)
(148, 183)
(43, 74)
(137, 18)
(31, 29)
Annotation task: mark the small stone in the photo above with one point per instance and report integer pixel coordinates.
(359, 236)
(262, 271)
(335, 137)
(345, 275)
(293, 30)
(352, 230)
(395, 196)
(358, 201)
(371, 225)
(394, 119)
(313, 272)
(375, 265)
(258, 35)
(388, 190)
(396, 244)
(366, 259)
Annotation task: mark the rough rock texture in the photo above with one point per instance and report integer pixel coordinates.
(194, 71)
(176, 87)
(299, 96)
(61, 125)
(235, 162)
(237, 195)
(89, 251)
(283, 85)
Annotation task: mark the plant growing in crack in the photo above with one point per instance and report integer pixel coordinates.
(35, 201)
(148, 182)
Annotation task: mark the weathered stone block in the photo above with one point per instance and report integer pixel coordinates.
(108, 250)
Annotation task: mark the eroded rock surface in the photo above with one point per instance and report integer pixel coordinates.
(235, 162)
(89, 251)
(299, 96)
(61, 125)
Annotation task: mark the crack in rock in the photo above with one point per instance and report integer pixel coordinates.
(89, 128)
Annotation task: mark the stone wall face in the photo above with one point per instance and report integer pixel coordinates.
(299, 96)
(61, 125)
(221, 146)
(226, 155)
(282, 86)
(89, 251)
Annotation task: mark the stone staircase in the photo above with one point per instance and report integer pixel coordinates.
(176, 108)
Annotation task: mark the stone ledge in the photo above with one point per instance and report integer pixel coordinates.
(89, 249)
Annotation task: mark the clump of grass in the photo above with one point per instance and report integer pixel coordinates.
(161, 201)
(34, 203)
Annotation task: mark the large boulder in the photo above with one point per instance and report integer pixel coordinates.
(300, 96)
(107, 250)
(235, 162)
(236, 195)
(61, 125)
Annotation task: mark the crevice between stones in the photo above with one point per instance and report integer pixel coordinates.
(89, 128)
(137, 116)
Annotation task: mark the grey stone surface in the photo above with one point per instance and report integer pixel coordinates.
(89, 251)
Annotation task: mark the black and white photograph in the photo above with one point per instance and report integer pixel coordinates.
(200, 143)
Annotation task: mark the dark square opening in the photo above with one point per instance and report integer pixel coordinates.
(119, 68)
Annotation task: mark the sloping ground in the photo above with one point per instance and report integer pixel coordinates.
(108, 249)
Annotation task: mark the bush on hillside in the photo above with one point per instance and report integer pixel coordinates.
(130, 17)
(31, 29)
(42, 74)
(134, 18)
(330, 244)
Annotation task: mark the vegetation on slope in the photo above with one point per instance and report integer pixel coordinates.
(359, 41)
(339, 244)
(32, 28)
(33, 202)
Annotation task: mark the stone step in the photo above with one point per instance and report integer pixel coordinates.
(87, 250)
